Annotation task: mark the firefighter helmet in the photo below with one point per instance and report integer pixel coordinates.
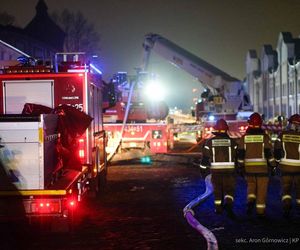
(255, 120)
(295, 119)
(221, 126)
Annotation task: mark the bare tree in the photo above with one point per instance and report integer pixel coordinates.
(6, 19)
(80, 34)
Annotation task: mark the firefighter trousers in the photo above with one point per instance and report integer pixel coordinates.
(224, 187)
(287, 183)
(257, 186)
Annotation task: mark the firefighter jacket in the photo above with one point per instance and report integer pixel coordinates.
(287, 151)
(255, 152)
(219, 153)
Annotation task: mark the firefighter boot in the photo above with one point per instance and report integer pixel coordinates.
(218, 209)
(228, 205)
(250, 206)
(287, 208)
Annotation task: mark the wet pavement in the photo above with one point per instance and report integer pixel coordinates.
(141, 208)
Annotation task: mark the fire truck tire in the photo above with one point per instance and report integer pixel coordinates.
(99, 181)
(102, 179)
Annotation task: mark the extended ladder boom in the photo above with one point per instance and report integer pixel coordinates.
(229, 88)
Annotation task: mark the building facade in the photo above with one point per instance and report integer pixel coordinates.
(273, 79)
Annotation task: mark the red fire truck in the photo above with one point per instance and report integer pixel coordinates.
(51, 159)
(131, 120)
(237, 128)
(223, 97)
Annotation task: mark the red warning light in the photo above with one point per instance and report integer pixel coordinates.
(72, 204)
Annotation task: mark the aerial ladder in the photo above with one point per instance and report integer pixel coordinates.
(224, 91)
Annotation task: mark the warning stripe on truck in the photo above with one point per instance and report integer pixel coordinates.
(32, 192)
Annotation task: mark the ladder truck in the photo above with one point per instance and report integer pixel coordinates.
(52, 140)
(131, 121)
(223, 96)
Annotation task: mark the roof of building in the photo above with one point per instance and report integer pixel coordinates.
(43, 28)
(287, 37)
(297, 48)
(12, 48)
(252, 53)
(267, 48)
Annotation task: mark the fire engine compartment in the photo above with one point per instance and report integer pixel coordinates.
(28, 149)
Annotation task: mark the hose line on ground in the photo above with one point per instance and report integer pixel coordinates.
(189, 214)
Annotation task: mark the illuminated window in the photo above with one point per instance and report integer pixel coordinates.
(156, 134)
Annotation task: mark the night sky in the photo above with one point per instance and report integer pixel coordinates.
(219, 31)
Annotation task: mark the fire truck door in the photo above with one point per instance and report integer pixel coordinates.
(17, 93)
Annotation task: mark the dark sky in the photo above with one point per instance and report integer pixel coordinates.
(219, 31)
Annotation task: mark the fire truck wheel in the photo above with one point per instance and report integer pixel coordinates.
(99, 180)
(102, 179)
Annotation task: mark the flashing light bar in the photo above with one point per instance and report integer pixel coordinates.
(96, 69)
(77, 70)
(211, 118)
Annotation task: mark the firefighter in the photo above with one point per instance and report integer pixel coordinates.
(219, 156)
(254, 157)
(287, 153)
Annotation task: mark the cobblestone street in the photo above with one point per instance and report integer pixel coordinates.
(141, 208)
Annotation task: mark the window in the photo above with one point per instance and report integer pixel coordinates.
(265, 113)
(292, 86)
(271, 91)
(283, 111)
(284, 91)
(277, 110)
(257, 95)
(277, 91)
(290, 110)
(271, 111)
(265, 89)
(157, 134)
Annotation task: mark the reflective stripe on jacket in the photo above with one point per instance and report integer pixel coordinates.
(287, 151)
(219, 153)
(256, 150)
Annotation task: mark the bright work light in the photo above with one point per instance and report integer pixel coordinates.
(154, 91)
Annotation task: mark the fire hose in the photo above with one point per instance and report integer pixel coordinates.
(189, 214)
